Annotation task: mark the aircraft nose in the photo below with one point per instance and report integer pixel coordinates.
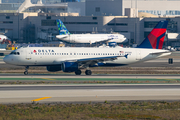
(6, 59)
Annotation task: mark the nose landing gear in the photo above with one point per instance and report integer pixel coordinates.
(26, 70)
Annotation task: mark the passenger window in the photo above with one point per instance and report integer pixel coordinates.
(18, 53)
(52, 53)
(64, 53)
(70, 53)
(67, 53)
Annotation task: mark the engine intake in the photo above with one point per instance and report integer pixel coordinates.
(69, 66)
(53, 68)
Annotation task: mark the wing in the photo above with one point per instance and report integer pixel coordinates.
(93, 61)
(102, 41)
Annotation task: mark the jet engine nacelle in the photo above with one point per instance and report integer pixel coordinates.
(53, 68)
(112, 44)
(69, 66)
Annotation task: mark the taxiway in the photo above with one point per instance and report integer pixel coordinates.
(87, 93)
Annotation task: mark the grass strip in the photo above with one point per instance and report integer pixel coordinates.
(86, 81)
(100, 111)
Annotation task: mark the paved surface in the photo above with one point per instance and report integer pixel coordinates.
(72, 76)
(86, 93)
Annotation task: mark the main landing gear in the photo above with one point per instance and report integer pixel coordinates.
(78, 72)
(26, 70)
(87, 72)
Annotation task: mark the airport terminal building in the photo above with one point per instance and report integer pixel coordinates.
(134, 19)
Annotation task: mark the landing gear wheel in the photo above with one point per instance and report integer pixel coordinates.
(26, 70)
(78, 72)
(26, 73)
(88, 72)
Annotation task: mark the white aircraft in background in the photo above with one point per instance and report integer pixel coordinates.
(73, 59)
(3, 38)
(64, 35)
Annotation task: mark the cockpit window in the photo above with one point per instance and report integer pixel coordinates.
(14, 53)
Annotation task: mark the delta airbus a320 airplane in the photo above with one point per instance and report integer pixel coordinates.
(73, 59)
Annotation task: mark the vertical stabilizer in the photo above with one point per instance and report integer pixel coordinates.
(62, 28)
(155, 39)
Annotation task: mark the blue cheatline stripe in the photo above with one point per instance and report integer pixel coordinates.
(107, 65)
(97, 58)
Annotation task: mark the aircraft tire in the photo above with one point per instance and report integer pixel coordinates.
(78, 72)
(26, 73)
(88, 72)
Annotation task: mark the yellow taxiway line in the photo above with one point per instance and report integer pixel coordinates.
(41, 99)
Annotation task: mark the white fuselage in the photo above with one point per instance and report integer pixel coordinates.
(2, 37)
(92, 38)
(32, 56)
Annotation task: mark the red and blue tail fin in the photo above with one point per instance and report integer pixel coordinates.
(156, 37)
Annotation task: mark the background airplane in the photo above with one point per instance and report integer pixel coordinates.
(65, 35)
(73, 59)
(4, 39)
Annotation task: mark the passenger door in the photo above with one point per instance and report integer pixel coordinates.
(28, 54)
(138, 55)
